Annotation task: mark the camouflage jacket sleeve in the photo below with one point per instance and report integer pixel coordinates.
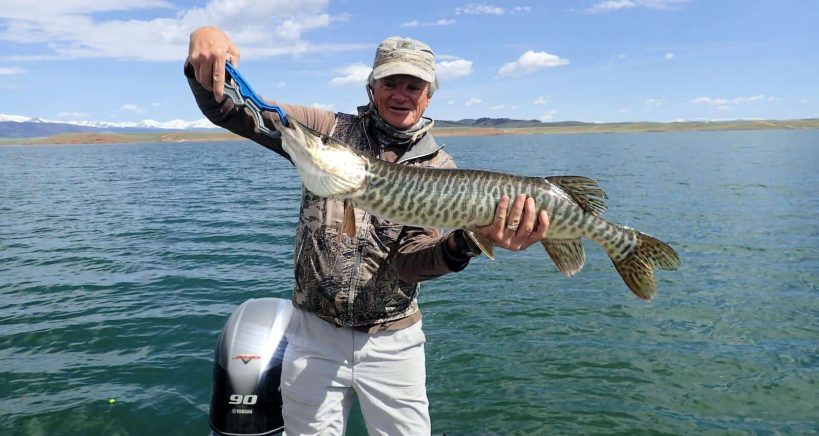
(236, 120)
(422, 254)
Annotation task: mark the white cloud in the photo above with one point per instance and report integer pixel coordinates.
(473, 101)
(416, 23)
(548, 116)
(668, 56)
(653, 102)
(453, 69)
(530, 62)
(744, 100)
(355, 74)
(69, 29)
(9, 71)
(710, 101)
(73, 115)
(612, 5)
(626, 110)
(725, 104)
(484, 9)
(479, 9)
(615, 5)
(132, 108)
(326, 107)
(540, 100)
(503, 108)
(16, 9)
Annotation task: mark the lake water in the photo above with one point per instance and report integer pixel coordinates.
(120, 263)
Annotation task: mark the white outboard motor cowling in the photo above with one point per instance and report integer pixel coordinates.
(246, 399)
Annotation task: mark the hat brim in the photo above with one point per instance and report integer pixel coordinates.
(394, 68)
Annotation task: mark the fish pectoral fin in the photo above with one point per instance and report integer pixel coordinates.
(567, 254)
(482, 242)
(348, 222)
(584, 191)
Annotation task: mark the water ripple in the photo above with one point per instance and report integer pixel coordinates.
(119, 265)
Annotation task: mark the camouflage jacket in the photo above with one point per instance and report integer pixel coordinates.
(372, 280)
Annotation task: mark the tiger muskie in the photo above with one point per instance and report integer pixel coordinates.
(462, 198)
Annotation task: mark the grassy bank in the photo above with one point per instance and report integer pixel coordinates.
(222, 135)
(633, 127)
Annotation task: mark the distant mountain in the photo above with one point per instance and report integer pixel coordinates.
(505, 123)
(15, 126)
(27, 129)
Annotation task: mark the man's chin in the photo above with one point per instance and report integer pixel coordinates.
(398, 123)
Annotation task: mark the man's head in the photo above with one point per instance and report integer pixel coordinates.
(402, 80)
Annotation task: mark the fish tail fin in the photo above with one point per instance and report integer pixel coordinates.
(637, 267)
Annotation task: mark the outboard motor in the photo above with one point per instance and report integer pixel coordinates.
(246, 399)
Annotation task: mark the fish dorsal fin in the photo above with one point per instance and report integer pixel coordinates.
(480, 240)
(584, 191)
(568, 254)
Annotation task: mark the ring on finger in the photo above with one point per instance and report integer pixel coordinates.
(513, 226)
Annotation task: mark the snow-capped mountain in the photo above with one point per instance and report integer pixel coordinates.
(17, 126)
(14, 118)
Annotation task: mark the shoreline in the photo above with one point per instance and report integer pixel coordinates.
(637, 127)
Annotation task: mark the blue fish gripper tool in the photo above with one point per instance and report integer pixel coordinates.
(243, 96)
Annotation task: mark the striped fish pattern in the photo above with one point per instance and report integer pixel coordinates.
(463, 198)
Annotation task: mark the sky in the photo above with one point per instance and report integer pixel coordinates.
(560, 60)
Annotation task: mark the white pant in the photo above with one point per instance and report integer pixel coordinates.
(325, 367)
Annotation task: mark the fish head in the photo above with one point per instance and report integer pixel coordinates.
(328, 167)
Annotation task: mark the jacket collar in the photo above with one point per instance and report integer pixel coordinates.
(422, 147)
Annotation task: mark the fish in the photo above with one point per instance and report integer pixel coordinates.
(467, 199)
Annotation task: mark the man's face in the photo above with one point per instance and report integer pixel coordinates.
(401, 99)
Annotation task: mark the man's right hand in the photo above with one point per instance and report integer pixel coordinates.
(521, 227)
(208, 51)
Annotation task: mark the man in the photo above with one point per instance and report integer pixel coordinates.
(356, 331)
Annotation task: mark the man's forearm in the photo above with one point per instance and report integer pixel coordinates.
(424, 255)
(227, 116)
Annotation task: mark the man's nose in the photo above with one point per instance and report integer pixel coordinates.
(401, 95)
